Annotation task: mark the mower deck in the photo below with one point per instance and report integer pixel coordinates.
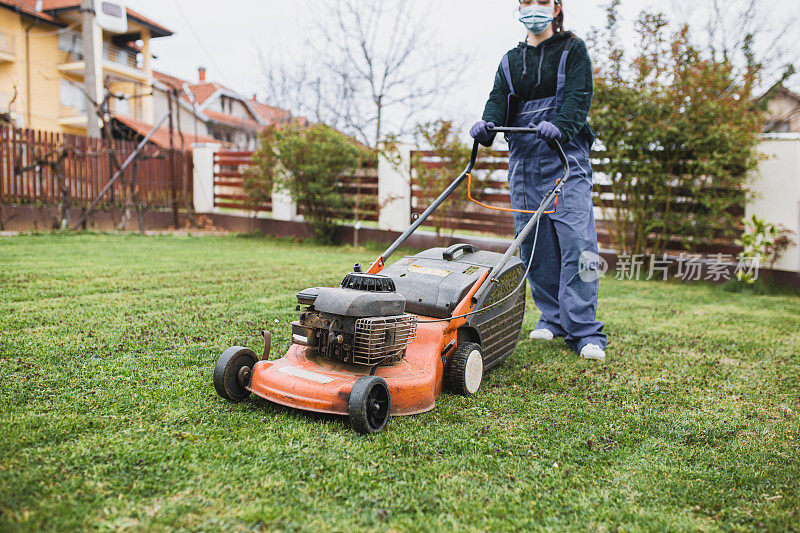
(324, 386)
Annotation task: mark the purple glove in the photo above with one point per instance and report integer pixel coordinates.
(480, 132)
(546, 131)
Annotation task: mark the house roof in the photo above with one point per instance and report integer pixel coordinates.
(175, 82)
(779, 90)
(156, 29)
(204, 91)
(262, 114)
(783, 91)
(161, 136)
(269, 113)
(169, 79)
(50, 8)
(28, 7)
(231, 120)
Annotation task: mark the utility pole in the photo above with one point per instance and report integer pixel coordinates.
(92, 49)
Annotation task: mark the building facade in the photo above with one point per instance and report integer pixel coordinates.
(42, 68)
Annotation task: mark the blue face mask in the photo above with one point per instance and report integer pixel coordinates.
(536, 18)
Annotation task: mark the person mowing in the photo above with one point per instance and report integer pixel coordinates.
(546, 82)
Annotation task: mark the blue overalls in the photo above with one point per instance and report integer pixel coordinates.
(568, 304)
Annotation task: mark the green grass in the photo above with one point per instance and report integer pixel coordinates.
(109, 420)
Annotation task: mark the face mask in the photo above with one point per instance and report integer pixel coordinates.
(536, 18)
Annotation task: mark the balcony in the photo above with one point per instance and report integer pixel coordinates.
(120, 63)
(73, 120)
(8, 51)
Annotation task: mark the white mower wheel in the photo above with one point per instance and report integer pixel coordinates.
(464, 374)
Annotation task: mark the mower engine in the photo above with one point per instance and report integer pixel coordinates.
(363, 321)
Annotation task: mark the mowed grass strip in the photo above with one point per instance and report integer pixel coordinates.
(109, 419)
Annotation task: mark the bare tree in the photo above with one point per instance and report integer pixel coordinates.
(747, 33)
(374, 68)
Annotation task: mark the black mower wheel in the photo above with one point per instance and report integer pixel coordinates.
(370, 405)
(464, 374)
(233, 371)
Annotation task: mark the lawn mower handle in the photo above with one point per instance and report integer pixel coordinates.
(381, 261)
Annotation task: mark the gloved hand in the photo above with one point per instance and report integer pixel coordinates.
(480, 132)
(546, 131)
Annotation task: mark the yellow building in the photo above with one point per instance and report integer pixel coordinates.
(42, 67)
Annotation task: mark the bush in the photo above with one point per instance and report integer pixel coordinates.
(679, 131)
(307, 162)
(762, 243)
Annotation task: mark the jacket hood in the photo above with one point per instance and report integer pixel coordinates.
(555, 39)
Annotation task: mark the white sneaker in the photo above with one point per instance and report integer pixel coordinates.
(541, 334)
(593, 351)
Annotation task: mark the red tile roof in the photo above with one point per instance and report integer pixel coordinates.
(28, 7)
(169, 79)
(173, 81)
(149, 22)
(225, 118)
(270, 113)
(204, 91)
(161, 137)
(53, 5)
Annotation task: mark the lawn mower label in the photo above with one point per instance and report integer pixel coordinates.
(305, 374)
(430, 271)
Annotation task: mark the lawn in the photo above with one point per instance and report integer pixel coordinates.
(109, 419)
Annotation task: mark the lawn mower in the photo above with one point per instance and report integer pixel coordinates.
(387, 341)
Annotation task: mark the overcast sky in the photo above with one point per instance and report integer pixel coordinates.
(233, 31)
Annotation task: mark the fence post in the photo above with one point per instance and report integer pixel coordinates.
(203, 176)
(776, 185)
(394, 190)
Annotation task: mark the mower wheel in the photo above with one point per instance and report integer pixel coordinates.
(370, 405)
(464, 374)
(233, 371)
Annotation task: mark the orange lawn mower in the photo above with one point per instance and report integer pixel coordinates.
(388, 341)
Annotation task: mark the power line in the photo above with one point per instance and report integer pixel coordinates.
(199, 40)
(57, 32)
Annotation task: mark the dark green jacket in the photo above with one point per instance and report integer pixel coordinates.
(537, 78)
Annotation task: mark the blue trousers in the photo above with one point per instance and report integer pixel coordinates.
(563, 276)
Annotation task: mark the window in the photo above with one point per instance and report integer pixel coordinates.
(6, 42)
(72, 97)
(781, 127)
